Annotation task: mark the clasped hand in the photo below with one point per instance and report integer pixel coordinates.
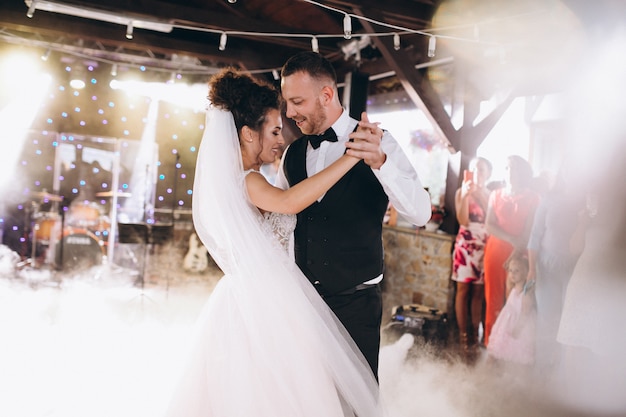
(365, 143)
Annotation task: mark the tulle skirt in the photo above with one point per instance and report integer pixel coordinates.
(253, 358)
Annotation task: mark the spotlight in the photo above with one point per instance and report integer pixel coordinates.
(77, 80)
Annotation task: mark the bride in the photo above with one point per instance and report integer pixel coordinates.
(267, 345)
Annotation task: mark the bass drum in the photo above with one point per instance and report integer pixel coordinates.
(79, 250)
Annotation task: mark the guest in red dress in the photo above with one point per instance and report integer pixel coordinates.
(510, 215)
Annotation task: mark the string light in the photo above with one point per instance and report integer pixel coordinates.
(275, 74)
(398, 30)
(31, 10)
(432, 46)
(46, 55)
(114, 70)
(223, 40)
(347, 26)
(315, 47)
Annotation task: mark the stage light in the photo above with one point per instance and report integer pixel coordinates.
(96, 14)
(77, 80)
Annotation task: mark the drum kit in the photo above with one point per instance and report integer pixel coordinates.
(73, 240)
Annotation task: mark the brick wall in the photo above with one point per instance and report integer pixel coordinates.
(418, 265)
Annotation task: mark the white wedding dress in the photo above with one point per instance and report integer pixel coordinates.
(266, 343)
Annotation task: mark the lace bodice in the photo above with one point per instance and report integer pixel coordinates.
(281, 225)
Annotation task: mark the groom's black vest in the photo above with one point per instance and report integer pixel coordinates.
(338, 241)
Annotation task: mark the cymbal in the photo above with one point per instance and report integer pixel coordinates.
(44, 195)
(113, 193)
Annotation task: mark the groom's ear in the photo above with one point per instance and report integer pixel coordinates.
(327, 94)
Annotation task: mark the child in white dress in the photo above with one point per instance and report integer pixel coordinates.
(513, 335)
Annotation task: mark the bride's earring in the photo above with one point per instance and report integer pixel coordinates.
(248, 134)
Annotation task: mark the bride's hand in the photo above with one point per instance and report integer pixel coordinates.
(365, 143)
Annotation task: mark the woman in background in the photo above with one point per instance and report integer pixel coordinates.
(509, 220)
(471, 202)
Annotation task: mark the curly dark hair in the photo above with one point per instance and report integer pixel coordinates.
(247, 99)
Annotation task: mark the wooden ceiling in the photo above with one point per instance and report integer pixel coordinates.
(489, 48)
(190, 47)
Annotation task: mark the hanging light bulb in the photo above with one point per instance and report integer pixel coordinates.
(432, 46)
(45, 55)
(31, 10)
(129, 30)
(315, 47)
(396, 41)
(223, 40)
(347, 27)
(114, 70)
(275, 74)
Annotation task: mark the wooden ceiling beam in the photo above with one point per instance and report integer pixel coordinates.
(416, 85)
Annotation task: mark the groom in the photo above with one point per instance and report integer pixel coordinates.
(338, 239)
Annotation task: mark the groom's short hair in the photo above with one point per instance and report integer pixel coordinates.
(312, 63)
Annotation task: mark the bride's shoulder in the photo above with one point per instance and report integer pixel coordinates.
(249, 171)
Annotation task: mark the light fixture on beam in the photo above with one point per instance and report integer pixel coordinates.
(95, 14)
(77, 77)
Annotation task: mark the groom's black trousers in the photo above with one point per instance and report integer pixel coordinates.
(361, 313)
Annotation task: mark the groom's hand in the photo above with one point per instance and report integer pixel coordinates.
(366, 143)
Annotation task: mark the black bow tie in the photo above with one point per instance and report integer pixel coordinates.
(316, 140)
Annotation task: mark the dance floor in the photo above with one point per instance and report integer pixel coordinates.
(98, 345)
